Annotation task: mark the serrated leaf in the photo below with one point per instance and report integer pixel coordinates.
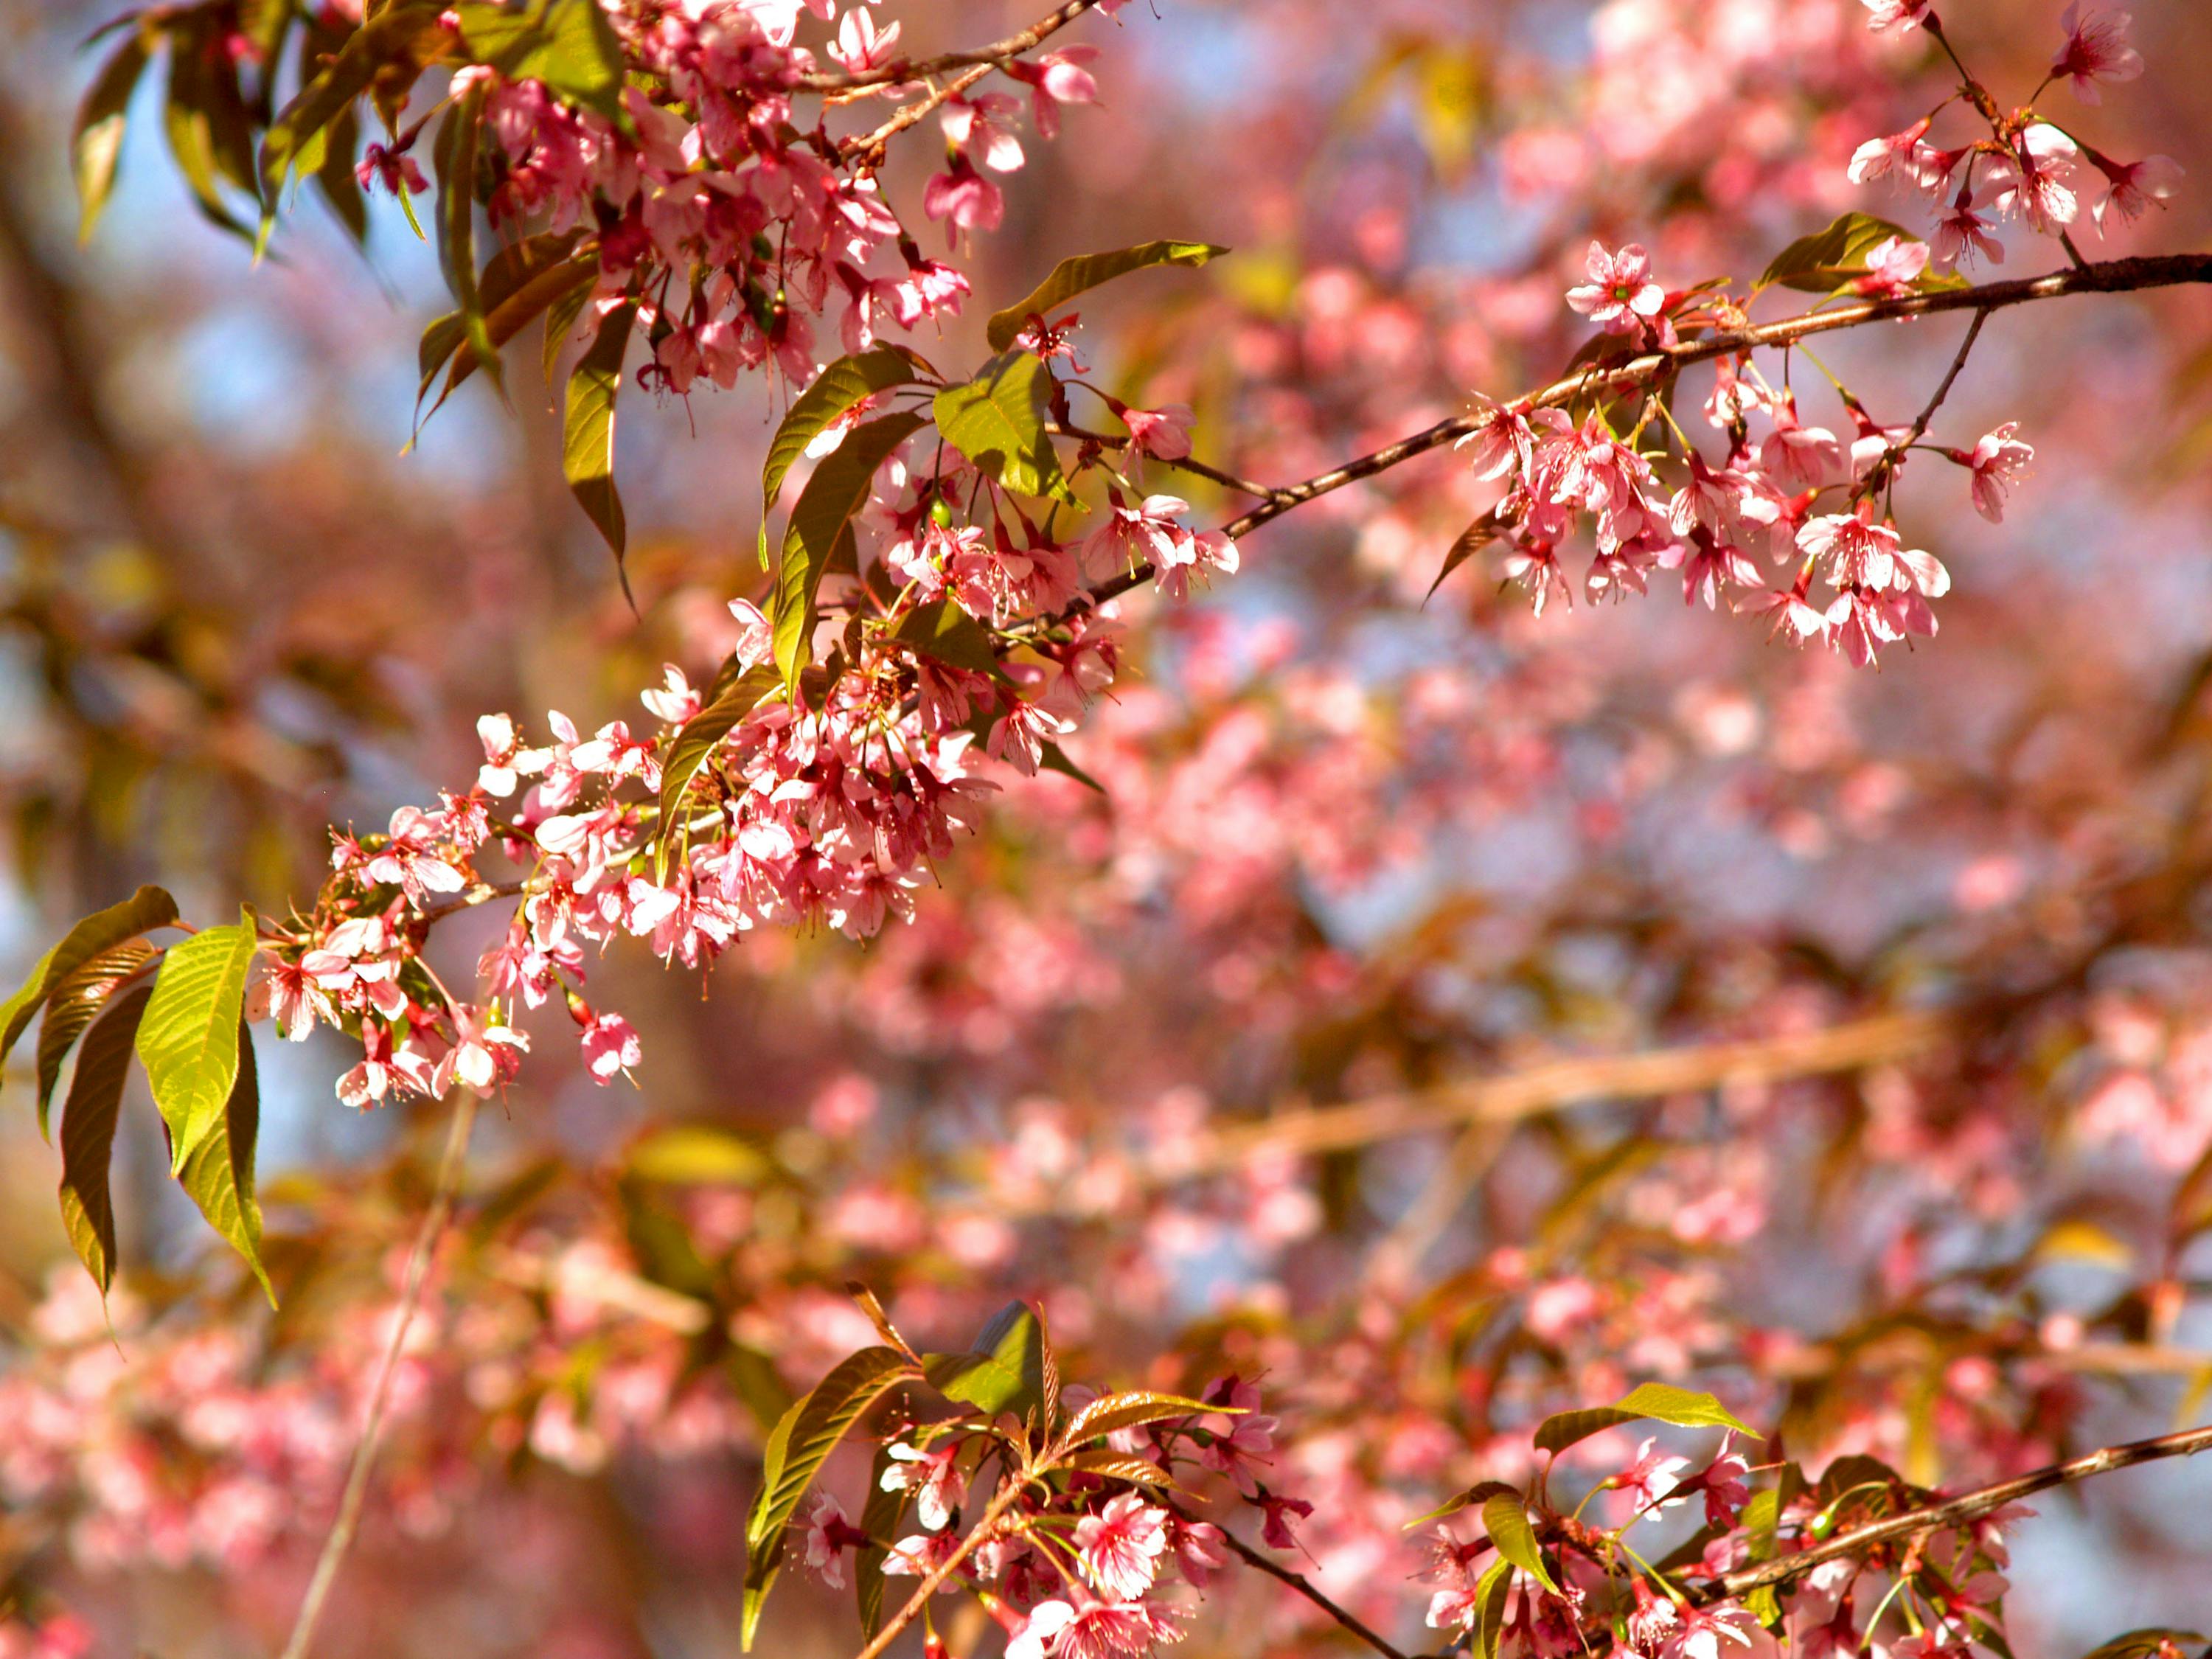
(998, 420)
(188, 1041)
(1505, 1518)
(88, 1118)
(1490, 1592)
(522, 282)
(218, 1173)
(587, 443)
(1660, 1402)
(566, 44)
(144, 911)
(838, 488)
(881, 1515)
(1004, 1371)
(1112, 1413)
(796, 1451)
(1828, 258)
(1073, 276)
(695, 741)
(73, 1003)
(1481, 1492)
(1121, 1465)
(943, 630)
(329, 93)
(96, 143)
(834, 391)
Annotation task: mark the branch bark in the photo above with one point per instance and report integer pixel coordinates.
(901, 71)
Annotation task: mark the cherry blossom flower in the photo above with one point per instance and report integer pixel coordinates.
(859, 44)
(2096, 50)
(1621, 296)
(2130, 187)
(1998, 460)
(610, 1047)
(964, 199)
(978, 127)
(1907, 13)
(1962, 232)
(1119, 1547)
(1894, 156)
(1650, 1479)
(396, 171)
(1163, 432)
(2033, 181)
(1893, 265)
(934, 1477)
(1055, 78)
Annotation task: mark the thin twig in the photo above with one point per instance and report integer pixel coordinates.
(1303, 1586)
(901, 69)
(1968, 1506)
(1004, 1500)
(1918, 430)
(364, 1457)
(2106, 277)
(871, 144)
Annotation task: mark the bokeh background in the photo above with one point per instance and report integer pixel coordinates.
(1353, 844)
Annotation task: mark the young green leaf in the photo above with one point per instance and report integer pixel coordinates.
(144, 911)
(801, 1442)
(1505, 1518)
(96, 145)
(188, 1041)
(72, 1004)
(566, 44)
(1660, 1402)
(88, 1117)
(695, 742)
(1476, 1494)
(880, 1517)
(1490, 1592)
(1121, 1465)
(455, 160)
(834, 391)
(943, 630)
(998, 420)
(838, 488)
(1071, 276)
(1826, 260)
(335, 178)
(587, 444)
(218, 1173)
(1004, 1371)
(522, 282)
(1111, 1413)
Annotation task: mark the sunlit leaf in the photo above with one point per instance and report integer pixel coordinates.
(697, 740)
(998, 420)
(1660, 1402)
(1112, 1413)
(96, 144)
(1505, 1518)
(218, 1173)
(73, 1003)
(1476, 1494)
(144, 911)
(838, 488)
(455, 159)
(699, 1155)
(587, 444)
(566, 44)
(833, 393)
(796, 1451)
(1826, 260)
(1491, 1591)
(1004, 1371)
(1087, 270)
(188, 1041)
(943, 630)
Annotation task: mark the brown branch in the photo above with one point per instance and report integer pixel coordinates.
(2107, 276)
(902, 70)
(372, 1435)
(1968, 1506)
(986, 1524)
(1878, 1041)
(870, 145)
(1303, 1586)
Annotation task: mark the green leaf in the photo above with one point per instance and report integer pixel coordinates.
(521, 283)
(1004, 1371)
(566, 44)
(945, 631)
(218, 1173)
(1490, 1592)
(1470, 541)
(329, 93)
(88, 1117)
(72, 1004)
(698, 1155)
(455, 160)
(96, 144)
(1071, 276)
(836, 390)
(1827, 259)
(1111, 1413)
(695, 740)
(199, 96)
(335, 181)
(796, 1451)
(1121, 1465)
(587, 444)
(144, 911)
(838, 488)
(1476, 1494)
(1505, 1518)
(880, 1517)
(1660, 1402)
(189, 1039)
(997, 421)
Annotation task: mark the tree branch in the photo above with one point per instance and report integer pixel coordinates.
(901, 71)
(372, 1435)
(1968, 1506)
(2107, 276)
(1003, 1500)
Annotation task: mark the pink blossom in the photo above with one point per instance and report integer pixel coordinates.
(1162, 433)
(1884, 13)
(1893, 265)
(859, 44)
(934, 1477)
(2096, 50)
(1119, 1547)
(2032, 181)
(978, 127)
(1621, 296)
(610, 1047)
(964, 199)
(2130, 187)
(1998, 460)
